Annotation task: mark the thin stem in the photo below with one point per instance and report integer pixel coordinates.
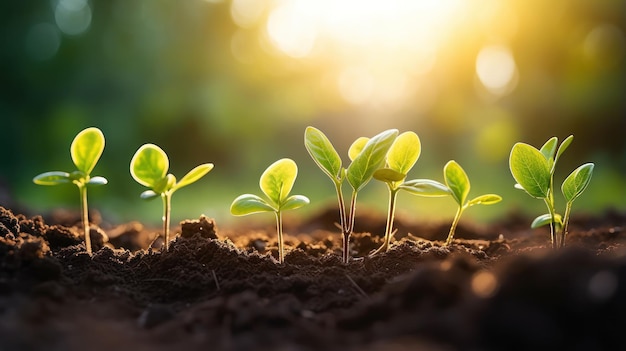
(390, 217)
(85, 216)
(347, 231)
(552, 221)
(342, 206)
(568, 209)
(167, 205)
(455, 222)
(279, 230)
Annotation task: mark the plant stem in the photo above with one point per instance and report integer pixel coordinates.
(279, 230)
(167, 204)
(455, 222)
(568, 209)
(85, 216)
(342, 206)
(550, 205)
(347, 230)
(390, 217)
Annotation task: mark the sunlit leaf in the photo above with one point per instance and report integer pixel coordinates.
(249, 203)
(149, 165)
(530, 169)
(388, 175)
(546, 219)
(148, 195)
(294, 201)
(548, 149)
(86, 149)
(404, 152)
(577, 182)
(52, 178)
(488, 199)
(563, 147)
(278, 179)
(193, 175)
(371, 158)
(356, 147)
(322, 152)
(425, 187)
(457, 181)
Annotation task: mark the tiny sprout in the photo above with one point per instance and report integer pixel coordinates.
(401, 157)
(149, 168)
(276, 183)
(459, 185)
(85, 151)
(367, 155)
(533, 171)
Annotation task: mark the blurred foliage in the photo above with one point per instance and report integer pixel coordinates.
(236, 82)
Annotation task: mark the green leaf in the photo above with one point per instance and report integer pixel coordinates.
(86, 149)
(488, 199)
(277, 180)
(52, 178)
(546, 219)
(404, 152)
(148, 195)
(149, 165)
(530, 169)
(563, 147)
(577, 182)
(371, 158)
(548, 149)
(388, 175)
(425, 187)
(322, 152)
(193, 175)
(97, 181)
(248, 203)
(457, 181)
(294, 201)
(356, 147)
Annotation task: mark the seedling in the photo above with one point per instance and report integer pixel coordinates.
(149, 168)
(458, 183)
(534, 172)
(85, 151)
(276, 183)
(401, 157)
(367, 155)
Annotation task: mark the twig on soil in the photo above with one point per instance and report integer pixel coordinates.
(217, 283)
(358, 288)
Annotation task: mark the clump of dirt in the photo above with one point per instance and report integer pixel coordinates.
(493, 288)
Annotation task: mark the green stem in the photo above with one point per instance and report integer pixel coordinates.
(550, 205)
(568, 209)
(279, 230)
(167, 205)
(342, 206)
(85, 216)
(347, 231)
(455, 222)
(390, 218)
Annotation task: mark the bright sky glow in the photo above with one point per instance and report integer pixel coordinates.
(496, 69)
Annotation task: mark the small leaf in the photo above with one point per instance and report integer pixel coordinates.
(546, 219)
(488, 199)
(388, 175)
(404, 152)
(248, 203)
(277, 180)
(563, 147)
(577, 182)
(457, 181)
(148, 195)
(322, 152)
(193, 175)
(371, 158)
(52, 178)
(294, 201)
(87, 148)
(356, 147)
(425, 187)
(530, 169)
(149, 165)
(97, 181)
(548, 149)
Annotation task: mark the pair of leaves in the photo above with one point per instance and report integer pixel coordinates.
(458, 184)
(367, 155)
(85, 150)
(149, 168)
(276, 183)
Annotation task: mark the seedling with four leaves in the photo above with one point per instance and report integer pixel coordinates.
(533, 171)
(276, 183)
(149, 168)
(85, 150)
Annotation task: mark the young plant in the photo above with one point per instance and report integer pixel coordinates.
(85, 151)
(401, 157)
(459, 185)
(149, 168)
(276, 183)
(367, 155)
(533, 171)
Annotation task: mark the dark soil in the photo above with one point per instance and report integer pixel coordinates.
(496, 288)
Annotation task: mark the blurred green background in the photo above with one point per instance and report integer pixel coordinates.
(236, 83)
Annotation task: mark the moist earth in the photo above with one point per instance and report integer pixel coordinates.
(496, 287)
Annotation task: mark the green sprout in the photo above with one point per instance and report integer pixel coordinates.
(533, 171)
(401, 157)
(149, 168)
(367, 155)
(85, 150)
(276, 183)
(458, 183)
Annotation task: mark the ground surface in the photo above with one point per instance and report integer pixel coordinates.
(498, 287)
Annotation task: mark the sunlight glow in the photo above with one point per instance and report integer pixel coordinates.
(496, 69)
